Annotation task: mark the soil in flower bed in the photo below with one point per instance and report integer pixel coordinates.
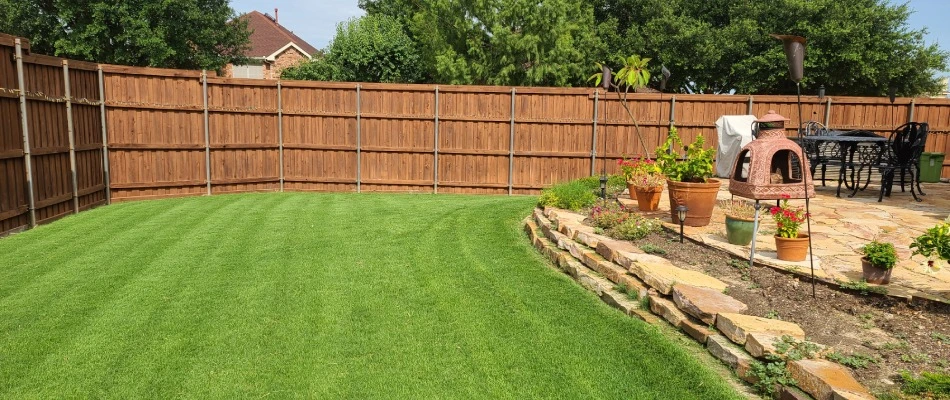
(899, 335)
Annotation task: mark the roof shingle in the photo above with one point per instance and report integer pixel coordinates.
(267, 36)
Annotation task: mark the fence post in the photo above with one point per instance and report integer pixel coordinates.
(749, 108)
(280, 134)
(435, 147)
(358, 142)
(827, 112)
(511, 145)
(593, 141)
(28, 165)
(910, 112)
(204, 98)
(105, 140)
(72, 137)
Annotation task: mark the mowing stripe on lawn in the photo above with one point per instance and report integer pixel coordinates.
(316, 295)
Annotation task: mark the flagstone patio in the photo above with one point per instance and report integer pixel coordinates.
(840, 226)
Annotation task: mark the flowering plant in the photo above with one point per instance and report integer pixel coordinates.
(647, 181)
(788, 219)
(641, 170)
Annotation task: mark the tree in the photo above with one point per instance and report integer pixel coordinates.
(169, 33)
(499, 42)
(373, 48)
(855, 47)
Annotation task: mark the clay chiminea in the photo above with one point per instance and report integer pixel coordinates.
(771, 165)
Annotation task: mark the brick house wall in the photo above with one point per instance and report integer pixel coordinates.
(285, 59)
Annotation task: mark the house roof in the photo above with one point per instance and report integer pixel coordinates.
(269, 37)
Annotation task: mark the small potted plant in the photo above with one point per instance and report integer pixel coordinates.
(934, 243)
(740, 223)
(878, 262)
(688, 179)
(644, 181)
(790, 244)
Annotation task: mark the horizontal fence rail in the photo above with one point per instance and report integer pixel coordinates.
(75, 135)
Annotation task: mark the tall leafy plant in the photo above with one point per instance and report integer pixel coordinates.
(696, 166)
(633, 75)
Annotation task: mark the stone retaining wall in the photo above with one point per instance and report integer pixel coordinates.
(689, 300)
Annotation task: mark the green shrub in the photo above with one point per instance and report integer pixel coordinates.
(862, 287)
(615, 184)
(579, 193)
(881, 255)
(930, 383)
(573, 195)
(634, 228)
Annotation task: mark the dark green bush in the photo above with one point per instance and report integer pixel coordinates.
(933, 384)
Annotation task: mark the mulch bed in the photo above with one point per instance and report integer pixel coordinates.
(901, 335)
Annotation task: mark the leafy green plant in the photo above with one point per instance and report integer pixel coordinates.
(632, 75)
(768, 374)
(794, 349)
(934, 242)
(880, 254)
(634, 228)
(862, 287)
(941, 337)
(572, 195)
(696, 166)
(917, 358)
(615, 184)
(772, 314)
(853, 360)
(932, 384)
(652, 249)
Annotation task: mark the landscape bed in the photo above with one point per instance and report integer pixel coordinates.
(317, 295)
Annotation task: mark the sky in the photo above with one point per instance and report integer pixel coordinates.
(315, 21)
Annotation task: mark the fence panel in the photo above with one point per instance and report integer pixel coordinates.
(171, 133)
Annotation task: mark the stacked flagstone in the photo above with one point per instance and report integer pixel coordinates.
(689, 300)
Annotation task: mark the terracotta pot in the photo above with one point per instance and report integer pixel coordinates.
(739, 230)
(648, 198)
(792, 249)
(699, 198)
(874, 274)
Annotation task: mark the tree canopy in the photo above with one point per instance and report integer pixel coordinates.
(374, 48)
(168, 33)
(855, 47)
(499, 42)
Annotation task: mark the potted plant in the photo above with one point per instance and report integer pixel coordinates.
(688, 179)
(935, 243)
(740, 222)
(790, 244)
(878, 262)
(644, 181)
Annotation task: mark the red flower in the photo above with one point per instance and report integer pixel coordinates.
(785, 196)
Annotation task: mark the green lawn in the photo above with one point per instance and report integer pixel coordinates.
(316, 295)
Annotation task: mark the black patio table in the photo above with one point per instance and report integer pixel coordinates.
(849, 142)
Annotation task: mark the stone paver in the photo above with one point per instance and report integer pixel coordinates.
(705, 303)
(825, 380)
(662, 276)
(840, 226)
(737, 327)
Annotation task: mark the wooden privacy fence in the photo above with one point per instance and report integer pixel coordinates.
(175, 133)
(51, 137)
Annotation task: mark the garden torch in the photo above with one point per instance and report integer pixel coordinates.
(794, 47)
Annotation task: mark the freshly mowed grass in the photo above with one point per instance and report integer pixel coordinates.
(316, 295)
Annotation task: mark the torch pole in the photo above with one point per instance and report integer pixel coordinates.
(811, 254)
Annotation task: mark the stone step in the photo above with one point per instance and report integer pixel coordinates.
(662, 276)
(733, 356)
(666, 309)
(705, 303)
(737, 327)
(826, 380)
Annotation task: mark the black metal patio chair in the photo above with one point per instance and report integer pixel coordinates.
(819, 153)
(902, 154)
